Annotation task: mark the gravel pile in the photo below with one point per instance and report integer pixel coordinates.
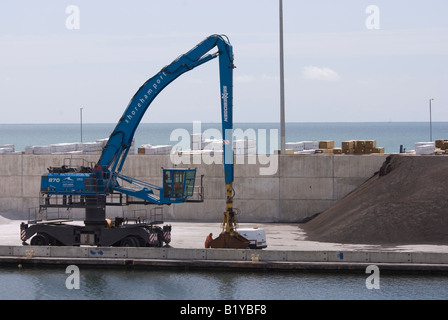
(405, 202)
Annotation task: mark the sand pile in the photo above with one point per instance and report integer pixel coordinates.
(406, 202)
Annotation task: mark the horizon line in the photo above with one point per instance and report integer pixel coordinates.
(217, 122)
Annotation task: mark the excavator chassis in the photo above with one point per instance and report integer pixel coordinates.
(97, 230)
(130, 235)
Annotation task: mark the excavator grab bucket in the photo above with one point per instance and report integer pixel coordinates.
(228, 240)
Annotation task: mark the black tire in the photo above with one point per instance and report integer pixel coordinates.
(160, 239)
(40, 240)
(129, 242)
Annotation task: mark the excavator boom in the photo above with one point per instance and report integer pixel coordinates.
(114, 154)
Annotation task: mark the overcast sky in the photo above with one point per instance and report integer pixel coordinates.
(344, 61)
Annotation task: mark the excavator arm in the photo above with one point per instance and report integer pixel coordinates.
(116, 150)
(102, 180)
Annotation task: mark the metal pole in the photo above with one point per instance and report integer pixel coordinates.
(430, 120)
(282, 85)
(80, 110)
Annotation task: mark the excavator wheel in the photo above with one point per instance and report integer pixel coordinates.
(231, 241)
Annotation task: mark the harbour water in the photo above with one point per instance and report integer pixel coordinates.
(32, 283)
(390, 135)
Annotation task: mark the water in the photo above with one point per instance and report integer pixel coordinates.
(130, 284)
(389, 135)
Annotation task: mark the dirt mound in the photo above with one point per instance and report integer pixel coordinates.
(405, 202)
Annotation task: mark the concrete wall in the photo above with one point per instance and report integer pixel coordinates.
(100, 253)
(301, 186)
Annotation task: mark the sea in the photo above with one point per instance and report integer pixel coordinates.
(393, 136)
(244, 287)
(57, 283)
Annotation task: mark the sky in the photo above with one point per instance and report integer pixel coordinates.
(345, 60)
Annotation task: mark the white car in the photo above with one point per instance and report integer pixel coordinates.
(256, 236)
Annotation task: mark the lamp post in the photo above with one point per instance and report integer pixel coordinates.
(282, 85)
(430, 119)
(80, 115)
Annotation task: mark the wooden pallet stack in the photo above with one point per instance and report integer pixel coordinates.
(328, 147)
(360, 147)
(442, 145)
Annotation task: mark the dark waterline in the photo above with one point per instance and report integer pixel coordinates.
(130, 284)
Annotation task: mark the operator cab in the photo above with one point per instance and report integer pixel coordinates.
(178, 184)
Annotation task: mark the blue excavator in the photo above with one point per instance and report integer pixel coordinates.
(91, 185)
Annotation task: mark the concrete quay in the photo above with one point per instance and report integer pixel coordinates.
(288, 250)
(262, 260)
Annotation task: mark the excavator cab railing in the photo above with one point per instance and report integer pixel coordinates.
(178, 184)
(155, 216)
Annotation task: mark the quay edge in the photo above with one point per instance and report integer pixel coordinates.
(226, 259)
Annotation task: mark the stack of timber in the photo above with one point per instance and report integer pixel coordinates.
(326, 146)
(439, 147)
(302, 147)
(154, 149)
(95, 147)
(442, 146)
(361, 147)
(7, 149)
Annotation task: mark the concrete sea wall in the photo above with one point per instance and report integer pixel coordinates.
(288, 188)
(225, 258)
